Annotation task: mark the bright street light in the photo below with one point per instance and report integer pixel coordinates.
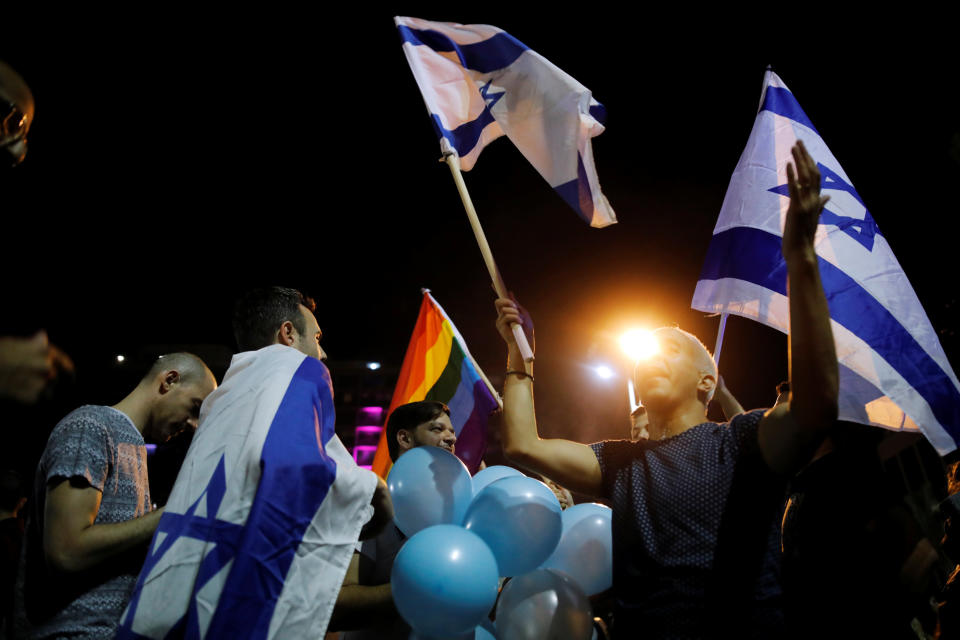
(603, 371)
(639, 344)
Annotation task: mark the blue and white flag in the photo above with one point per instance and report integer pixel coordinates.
(480, 83)
(893, 371)
(264, 516)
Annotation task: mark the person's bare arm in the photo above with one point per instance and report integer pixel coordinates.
(572, 464)
(726, 400)
(360, 606)
(29, 365)
(791, 432)
(382, 511)
(71, 540)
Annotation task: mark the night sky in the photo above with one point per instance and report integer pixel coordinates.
(177, 159)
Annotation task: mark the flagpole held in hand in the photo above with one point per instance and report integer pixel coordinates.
(453, 161)
(717, 347)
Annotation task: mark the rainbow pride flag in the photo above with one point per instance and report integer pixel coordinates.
(438, 366)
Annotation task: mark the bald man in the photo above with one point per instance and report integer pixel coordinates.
(695, 507)
(91, 514)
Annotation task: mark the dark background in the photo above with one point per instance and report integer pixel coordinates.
(178, 158)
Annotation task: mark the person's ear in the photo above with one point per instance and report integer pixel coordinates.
(404, 439)
(707, 385)
(287, 334)
(169, 379)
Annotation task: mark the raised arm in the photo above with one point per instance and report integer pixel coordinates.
(569, 463)
(71, 540)
(791, 432)
(731, 407)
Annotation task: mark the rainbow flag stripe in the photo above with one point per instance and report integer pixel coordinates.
(438, 366)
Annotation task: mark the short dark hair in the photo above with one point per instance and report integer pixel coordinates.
(259, 313)
(409, 417)
(191, 367)
(783, 387)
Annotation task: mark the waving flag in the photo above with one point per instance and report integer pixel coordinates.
(480, 83)
(438, 366)
(893, 371)
(263, 519)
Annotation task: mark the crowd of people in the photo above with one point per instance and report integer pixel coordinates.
(772, 524)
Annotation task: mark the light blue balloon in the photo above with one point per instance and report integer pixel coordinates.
(492, 474)
(428, 486)
(484, 631)
(444, 581)
(543, 605)
(585, 551)
(519, 518)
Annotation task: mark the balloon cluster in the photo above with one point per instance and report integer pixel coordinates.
(465, 533)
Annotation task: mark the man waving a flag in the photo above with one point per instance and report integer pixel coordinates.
(695, 508)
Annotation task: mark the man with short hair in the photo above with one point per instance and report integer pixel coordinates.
(365, 602)
(90, 517)
(268, 505)
(417, 424)
(695, 507)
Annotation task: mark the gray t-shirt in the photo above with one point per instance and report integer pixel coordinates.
(100, 447)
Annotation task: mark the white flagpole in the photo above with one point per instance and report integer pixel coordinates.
(719, 345)
(453, 161)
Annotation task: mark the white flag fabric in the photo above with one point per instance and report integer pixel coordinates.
(264, 516)
(480, 83)
(893, 370)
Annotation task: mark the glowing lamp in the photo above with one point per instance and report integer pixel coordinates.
(639, 344)
(603, 371)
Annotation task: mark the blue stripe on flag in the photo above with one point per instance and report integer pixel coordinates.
(599, 113)
(576, 193)
(465, 137)
(782, 102)
(755, 256)
(488, 55)
(296, 476)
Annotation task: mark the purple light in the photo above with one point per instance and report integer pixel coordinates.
(363, 455)
(370, 415)
(367, 436)
(369, 429)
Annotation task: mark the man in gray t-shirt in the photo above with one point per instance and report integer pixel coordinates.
(90, 517)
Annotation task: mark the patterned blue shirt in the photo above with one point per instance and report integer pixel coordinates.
(682, 506)
(100, 447)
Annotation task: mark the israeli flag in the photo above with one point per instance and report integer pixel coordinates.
(264, 516)
(480, 83)
(893, 371)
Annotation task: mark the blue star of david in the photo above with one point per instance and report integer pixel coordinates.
(863, 231)
(225, 535)
(490, 98)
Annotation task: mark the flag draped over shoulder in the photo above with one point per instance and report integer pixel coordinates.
(480, 83)
(438, 366)
(893, 371)
(264, 516)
